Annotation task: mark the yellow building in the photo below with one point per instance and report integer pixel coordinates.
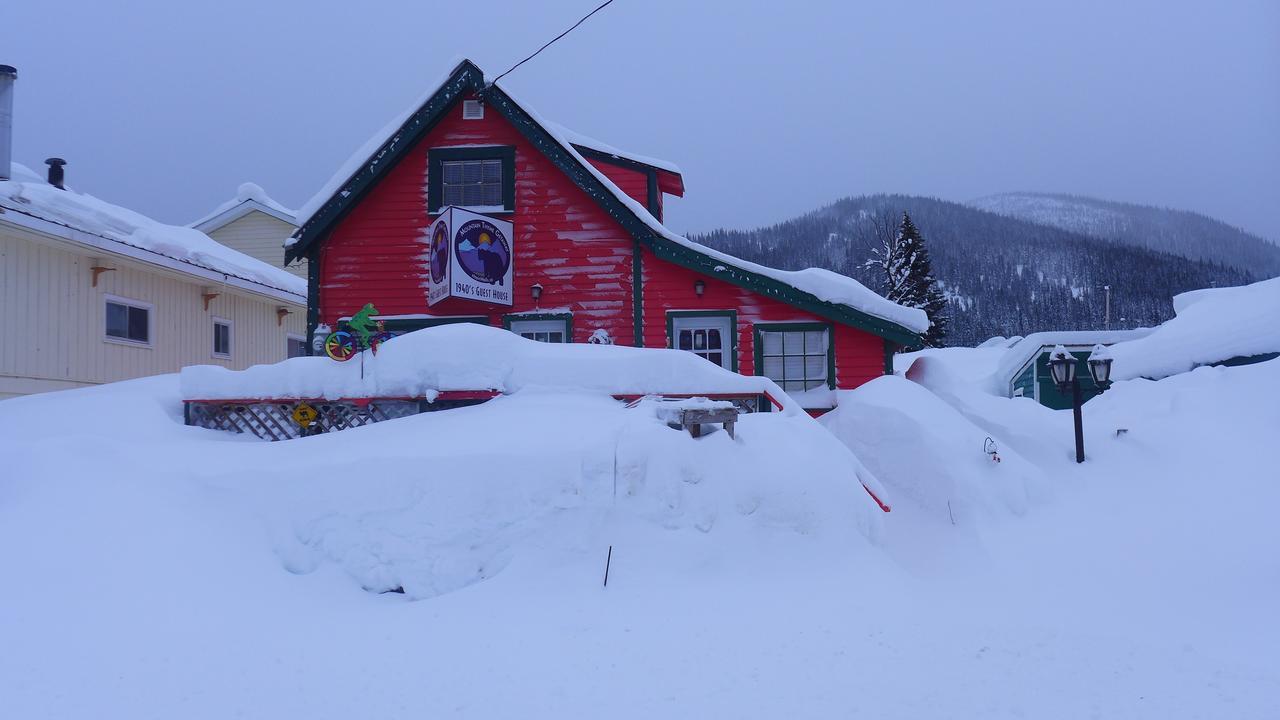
(91, 293)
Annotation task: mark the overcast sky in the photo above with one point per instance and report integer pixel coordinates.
(771, 109)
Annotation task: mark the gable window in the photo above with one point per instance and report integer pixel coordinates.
(471, 183)
(549, 329)
(221, 338)
(128, 321)
(481, 179)
(797, 356)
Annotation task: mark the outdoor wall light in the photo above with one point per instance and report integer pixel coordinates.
(536, 291)
(699, 287)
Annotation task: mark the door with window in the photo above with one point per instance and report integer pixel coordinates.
(706, 335)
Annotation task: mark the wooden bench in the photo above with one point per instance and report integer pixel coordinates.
(693, 419)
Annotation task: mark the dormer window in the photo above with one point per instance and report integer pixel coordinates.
(481, 179)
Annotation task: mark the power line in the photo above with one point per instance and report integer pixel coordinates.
(600, 7)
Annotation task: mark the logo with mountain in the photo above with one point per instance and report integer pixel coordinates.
(439, 252)
(483, 252)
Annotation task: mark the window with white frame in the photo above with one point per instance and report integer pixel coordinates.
(128, 320)
(295, 346)
(797, 356)
(221, 337)
(471, 183)
(550, 331)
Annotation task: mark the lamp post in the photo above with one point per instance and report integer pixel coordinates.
(1062, 366)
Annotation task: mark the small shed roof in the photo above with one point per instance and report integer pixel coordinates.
(249, 197)
(1026, 350)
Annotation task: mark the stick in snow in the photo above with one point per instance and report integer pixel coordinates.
(608, 559)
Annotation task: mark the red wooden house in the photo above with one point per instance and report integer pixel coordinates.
(588, 255)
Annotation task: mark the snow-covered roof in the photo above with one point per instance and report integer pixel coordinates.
(591, 143)
(1015, 359)
(363, 155)
(1208, 326)
(127, 232)
(248, 198)
(822, 284)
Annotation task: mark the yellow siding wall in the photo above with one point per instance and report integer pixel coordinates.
(52, 321)
(259, 235)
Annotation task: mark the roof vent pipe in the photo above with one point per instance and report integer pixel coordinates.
(7, 75)
(56, 174)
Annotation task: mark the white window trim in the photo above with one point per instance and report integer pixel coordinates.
(722, 322)
(231, 338)
(129, 302)
(536, 326)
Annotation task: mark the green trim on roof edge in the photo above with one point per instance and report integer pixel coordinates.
(468, 77)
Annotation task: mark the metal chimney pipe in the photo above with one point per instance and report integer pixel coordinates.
(8, 74)
(56, 174)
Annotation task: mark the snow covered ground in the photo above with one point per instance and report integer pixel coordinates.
(155, 570)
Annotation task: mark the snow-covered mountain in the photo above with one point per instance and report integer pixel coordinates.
(1179, 232)
(1006, 275)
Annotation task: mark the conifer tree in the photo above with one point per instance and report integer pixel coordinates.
(908, 277)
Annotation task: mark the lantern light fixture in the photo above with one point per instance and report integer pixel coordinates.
(699, 287)
(1062, 366)
(536, 291)
(1100, 365)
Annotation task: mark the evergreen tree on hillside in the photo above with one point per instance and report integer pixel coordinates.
(908, 277)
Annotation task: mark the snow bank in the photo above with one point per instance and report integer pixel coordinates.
(926, 452)
(441, 501)
(973, 365)
(156, 570)
(112, 222)
(1209, 326)
(466, 356)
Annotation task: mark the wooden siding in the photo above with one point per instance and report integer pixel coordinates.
(260, 236)
(859, 355)
(629, 180)
(56, 318)
(563, 240)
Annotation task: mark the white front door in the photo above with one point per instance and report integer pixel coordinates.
(708, 336)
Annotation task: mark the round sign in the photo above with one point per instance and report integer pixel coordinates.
(439, 252)
(483, 251)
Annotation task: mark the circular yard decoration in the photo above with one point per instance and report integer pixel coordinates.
(340, 346)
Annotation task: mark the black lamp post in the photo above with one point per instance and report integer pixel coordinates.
(1062, 366)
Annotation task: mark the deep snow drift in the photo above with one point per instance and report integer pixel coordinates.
(1210, 325)
(155, 570)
